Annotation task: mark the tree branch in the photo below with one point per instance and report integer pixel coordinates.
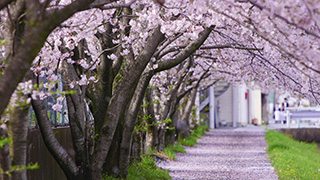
(33, 39)
(58, 152)
(5, 3)
(186, 52)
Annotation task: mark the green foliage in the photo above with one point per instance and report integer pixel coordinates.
(200, 131)
(19, 168)
(145, 117)
(140, 128)
(5, 141)
(142, 170)
(190, 141)
(206, 109)
(172, 150)
(155, 101)
(106, 177)
(146, 169)
(293, 159)
(95, 136)
(145, 105)
(3, 42)
(117, 80)
(195, 135)
(167, 122)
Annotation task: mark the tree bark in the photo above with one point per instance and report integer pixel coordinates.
(118, 101)
(186, 52)
(5, 160)
(77, 114)
(106, 76)
(187, 111)
(5, 3)
(152, 126)
(130, 120)
(19, 132)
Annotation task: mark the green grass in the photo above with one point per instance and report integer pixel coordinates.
(143, 170)
(172, 150)
(293, 159)
(146, 169)
(194, 136)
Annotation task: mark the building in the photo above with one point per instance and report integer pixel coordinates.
(233, 105)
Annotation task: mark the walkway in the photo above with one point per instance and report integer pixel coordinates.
(225, 154)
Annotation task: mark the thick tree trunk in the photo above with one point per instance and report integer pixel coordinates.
(5, 160)
(170, 106)
(111, 165)
(106, 75)
(130, 121)
(118, 103)
(137, 146)
(161, 136)
(19, 132)
(186, 114)
(4, 3)
(152, 132)
(77, 114)
(171, 132)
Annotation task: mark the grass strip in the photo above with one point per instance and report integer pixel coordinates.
(147, 169)
(172, 150)
(293, 159)
(194, 136)
(144, 169)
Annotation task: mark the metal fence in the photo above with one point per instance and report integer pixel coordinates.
(57, 118)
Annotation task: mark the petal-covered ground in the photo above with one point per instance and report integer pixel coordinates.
(225, 154)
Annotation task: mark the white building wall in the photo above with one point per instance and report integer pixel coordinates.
(224, 107)
(238, 106)
(255, 105)
(243, 106)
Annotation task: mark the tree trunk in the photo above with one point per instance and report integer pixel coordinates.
(130, 121)
(171, 132)
(77, 114)
(137, 147)
(118, 103)
(104, 85)
(186, 114)
(19, 132)
(5, 160)
(111, 165)
(152, 132)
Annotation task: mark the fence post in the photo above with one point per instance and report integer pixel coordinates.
(211, 110)
(288, 119)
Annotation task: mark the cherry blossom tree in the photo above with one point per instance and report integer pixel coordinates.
(109, 53)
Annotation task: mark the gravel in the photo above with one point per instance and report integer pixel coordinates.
(224, 154)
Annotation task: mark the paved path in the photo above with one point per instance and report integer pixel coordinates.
(225, 154)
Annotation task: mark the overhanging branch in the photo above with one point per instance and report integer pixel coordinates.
(186, 52)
